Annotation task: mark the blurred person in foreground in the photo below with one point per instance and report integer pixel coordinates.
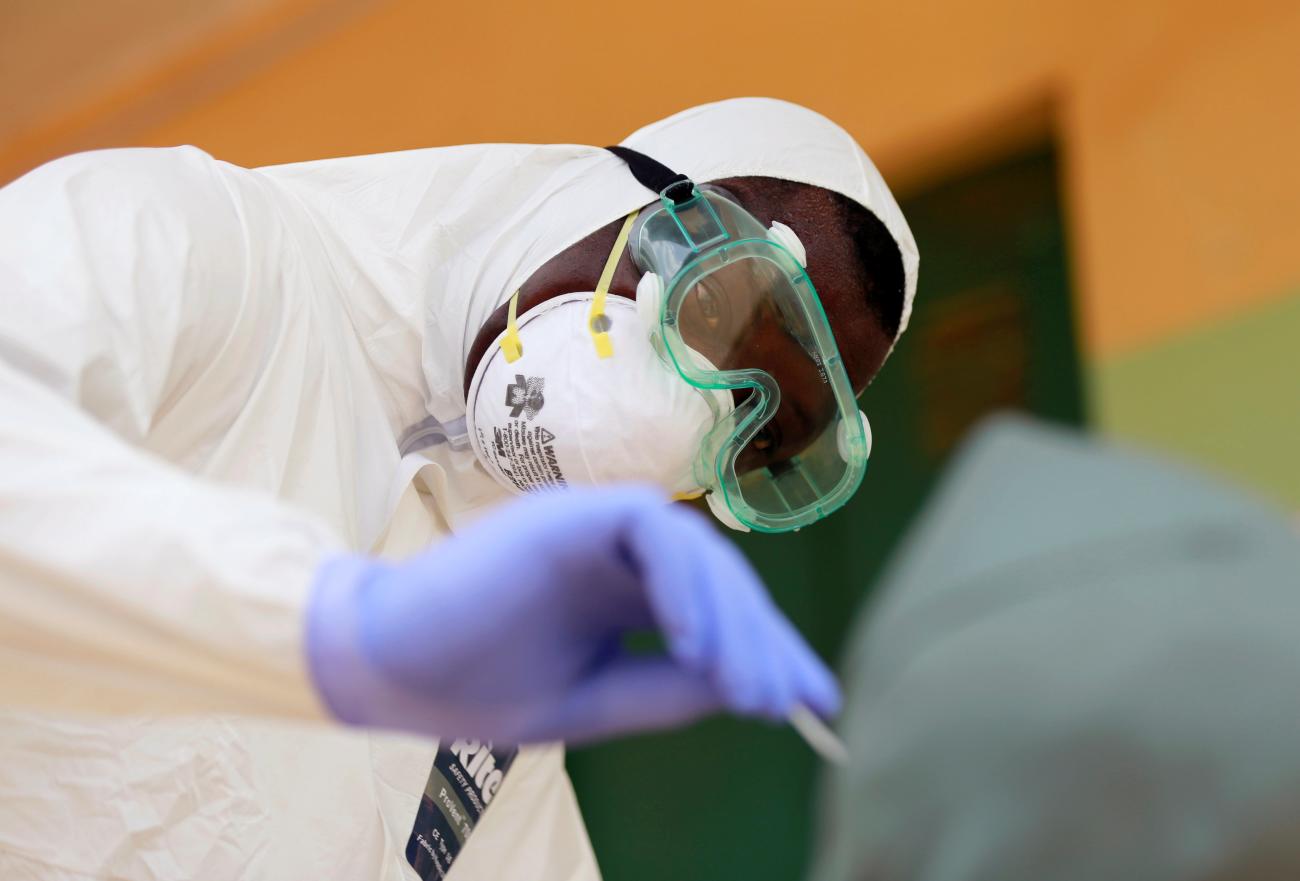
(1084, 664)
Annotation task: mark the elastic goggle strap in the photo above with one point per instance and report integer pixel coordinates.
(655, 176)
(597, 323)
(511, 346)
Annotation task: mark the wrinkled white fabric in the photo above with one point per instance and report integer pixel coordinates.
(196, 403)
(206, 373)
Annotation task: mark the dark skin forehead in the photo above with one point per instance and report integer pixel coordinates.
(833, 266)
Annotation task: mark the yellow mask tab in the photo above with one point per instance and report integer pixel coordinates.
(511, 347)
(688, 496)
(597, 324)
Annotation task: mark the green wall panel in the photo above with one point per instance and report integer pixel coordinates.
(1226, 397)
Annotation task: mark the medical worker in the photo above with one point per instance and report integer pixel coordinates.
(259, 429)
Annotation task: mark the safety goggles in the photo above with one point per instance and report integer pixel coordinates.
(730, 307)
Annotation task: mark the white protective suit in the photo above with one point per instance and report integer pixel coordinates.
(207, 376)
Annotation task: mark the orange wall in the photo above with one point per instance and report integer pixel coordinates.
(1177, 119)
(1184, 146)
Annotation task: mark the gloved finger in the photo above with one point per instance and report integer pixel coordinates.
(751, 662)
(797, 675)
(718, 617)
(660, 546)
(815, 685)
(718, 583)
(762, 651)
(777, 675)
(628, 695)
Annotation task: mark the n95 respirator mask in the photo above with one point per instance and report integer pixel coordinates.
(552, 411)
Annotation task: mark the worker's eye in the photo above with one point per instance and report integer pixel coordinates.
(765, 440)
(712, 306)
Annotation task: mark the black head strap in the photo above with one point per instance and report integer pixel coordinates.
(654, 175)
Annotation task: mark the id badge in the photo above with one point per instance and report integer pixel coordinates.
(462, 783)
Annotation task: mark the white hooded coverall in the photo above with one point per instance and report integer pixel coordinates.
(206, 375)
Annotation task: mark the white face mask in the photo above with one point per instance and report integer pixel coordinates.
(560, 414)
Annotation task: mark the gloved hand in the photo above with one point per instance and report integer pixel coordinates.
(512, 630)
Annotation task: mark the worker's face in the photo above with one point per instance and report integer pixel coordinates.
(733, 318)
(806, 400)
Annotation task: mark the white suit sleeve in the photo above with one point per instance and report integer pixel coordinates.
(126, 584)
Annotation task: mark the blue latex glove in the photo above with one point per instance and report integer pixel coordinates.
(512, 630)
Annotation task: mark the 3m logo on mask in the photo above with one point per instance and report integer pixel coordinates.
(524, 396)
(520, 449)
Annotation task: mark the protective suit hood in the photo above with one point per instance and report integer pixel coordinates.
(441, 237)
